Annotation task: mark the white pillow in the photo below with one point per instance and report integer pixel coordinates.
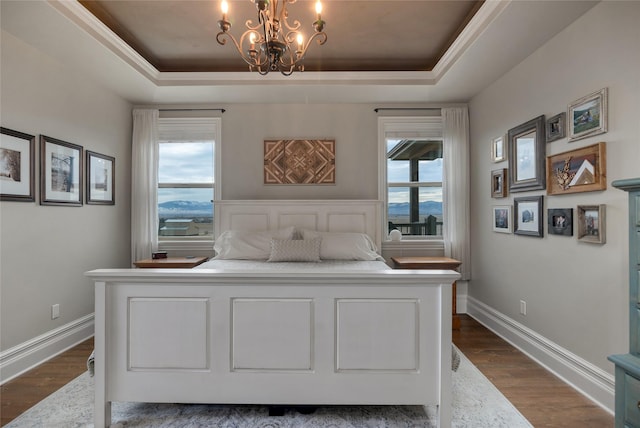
(344, 246)
(243, 245)
(295, 250)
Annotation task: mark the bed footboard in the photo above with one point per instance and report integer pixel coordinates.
(207, 336)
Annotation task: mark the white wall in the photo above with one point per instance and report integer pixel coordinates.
(576, 293)
(44, 250)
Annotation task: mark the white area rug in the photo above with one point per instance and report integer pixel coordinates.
(476, 404)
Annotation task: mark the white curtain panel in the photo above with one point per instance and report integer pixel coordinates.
(144, 182)
(455, 133)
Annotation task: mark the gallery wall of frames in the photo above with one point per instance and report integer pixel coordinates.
(575, 170)
(68, 174)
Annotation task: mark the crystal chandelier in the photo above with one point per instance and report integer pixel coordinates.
(272, 44)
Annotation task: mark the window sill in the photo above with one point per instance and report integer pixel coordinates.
(414, 244)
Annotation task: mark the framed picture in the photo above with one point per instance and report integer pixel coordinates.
(61, 172)
(591, 223)
(560, 221)
(580, 170)
(588, 115)
(526, 156)
(498, 183)
(100, 179)
(556, 127)
(498, 153)
(17, 166)
(528, 216)
(502, 219)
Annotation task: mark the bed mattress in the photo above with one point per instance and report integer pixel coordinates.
(323, 266)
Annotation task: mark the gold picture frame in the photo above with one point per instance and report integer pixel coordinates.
(580, 170)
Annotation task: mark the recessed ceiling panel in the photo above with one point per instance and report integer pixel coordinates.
(399, 35)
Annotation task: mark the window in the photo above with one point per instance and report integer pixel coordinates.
(187, 170)
(412, 185)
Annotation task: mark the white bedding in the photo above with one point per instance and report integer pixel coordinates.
(323, 266)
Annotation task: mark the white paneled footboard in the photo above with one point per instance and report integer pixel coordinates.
(210, 336)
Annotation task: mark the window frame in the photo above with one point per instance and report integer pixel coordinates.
(405, 127)
(185, 129)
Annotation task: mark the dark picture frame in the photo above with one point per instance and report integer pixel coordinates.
(527, 216)
(560, 221)
(527, 154)
(580, 170)
(61, 172)
(100, 179)
(588, 115)
(501, 216)
(17, 166)
(592, 223)
(556, 127)
(499, 183)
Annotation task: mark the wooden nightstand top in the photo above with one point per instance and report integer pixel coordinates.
(420, 262)
(171, 262)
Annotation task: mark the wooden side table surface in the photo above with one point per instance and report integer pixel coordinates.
(171, 262)
(433, 263)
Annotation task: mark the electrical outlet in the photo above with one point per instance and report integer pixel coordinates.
(55, 311)
(523, 307)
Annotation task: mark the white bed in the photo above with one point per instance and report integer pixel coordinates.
(256, 332)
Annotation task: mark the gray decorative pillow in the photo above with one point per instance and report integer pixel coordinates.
(295, 250)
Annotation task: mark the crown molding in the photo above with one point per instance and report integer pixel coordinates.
(82, 18)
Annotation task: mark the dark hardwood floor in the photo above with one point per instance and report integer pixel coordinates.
(21, 393)
(542, 398)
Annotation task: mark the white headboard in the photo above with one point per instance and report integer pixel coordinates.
(363, 216)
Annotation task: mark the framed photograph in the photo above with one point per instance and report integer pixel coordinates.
(580, 170)
(560, 221)
(61, 172)
(528, 216)
(498, 183)
(556, 127)
(588, 115)
(526, 156)
(100, 179)
(17, 166)
(502, 219)
(591, 223)
(498, 152)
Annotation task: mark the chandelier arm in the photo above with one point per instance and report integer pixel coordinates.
(222, 38)
(295, 27)
(321, 38)
(249, 24)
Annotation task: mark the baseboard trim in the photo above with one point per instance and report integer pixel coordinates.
(25, 356)
(588, 379)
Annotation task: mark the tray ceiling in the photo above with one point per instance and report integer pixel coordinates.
(180, 35)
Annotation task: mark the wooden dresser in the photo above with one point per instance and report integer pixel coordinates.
(628, 365)
(440, 263)
(171, 263)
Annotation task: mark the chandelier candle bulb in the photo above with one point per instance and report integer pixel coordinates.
(319, 9)
(225, 9)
